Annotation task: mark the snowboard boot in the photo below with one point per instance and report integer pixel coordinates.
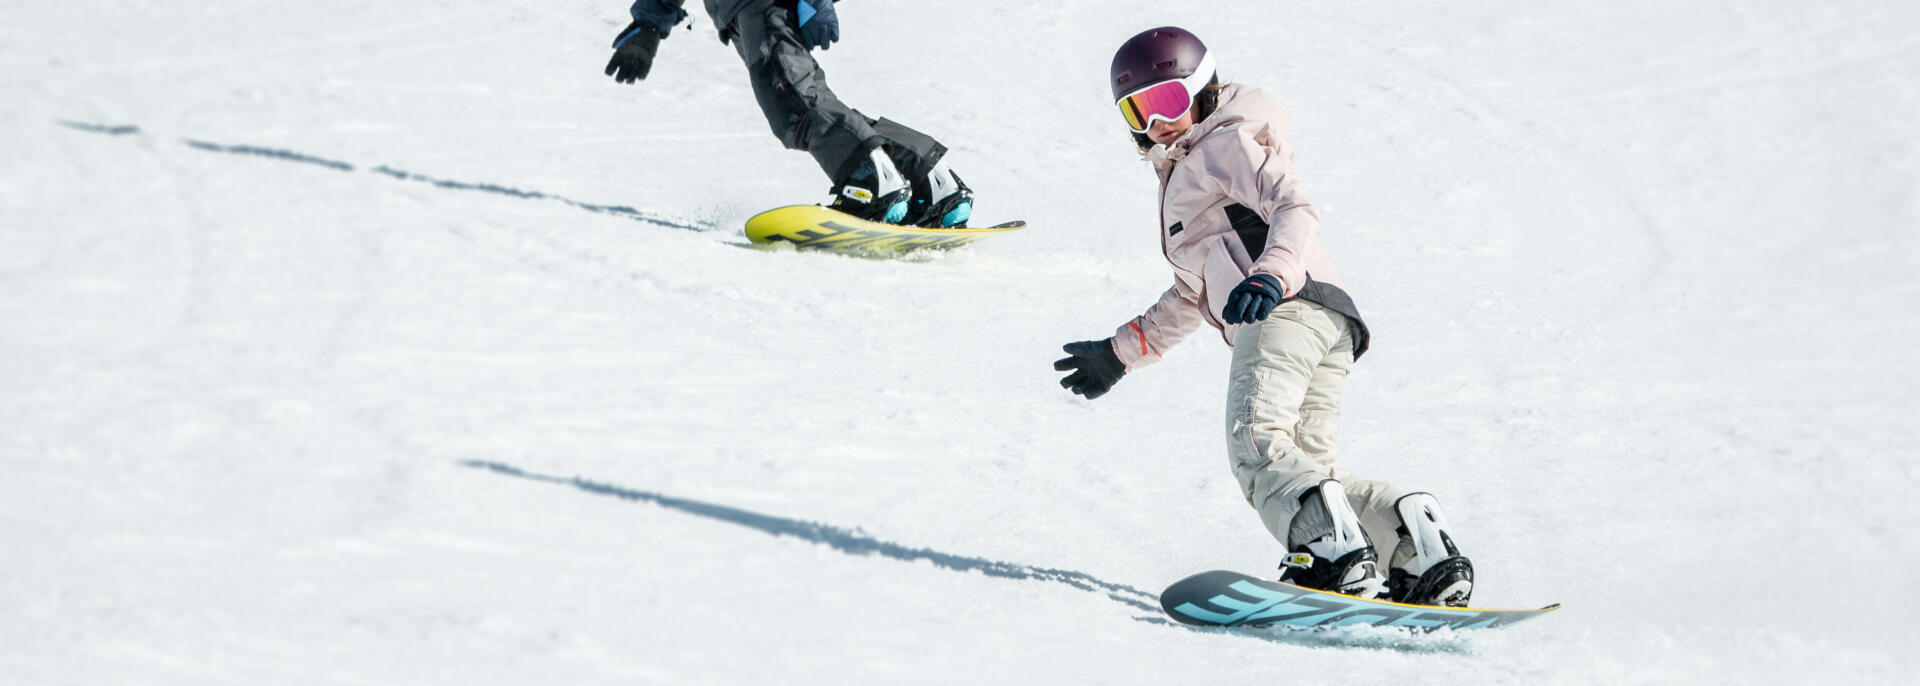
(874, 190)
(941, 200)
(1328, 549)
(1427, 569)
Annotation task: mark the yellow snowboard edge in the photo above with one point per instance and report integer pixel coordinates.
(814, 226)
(1381, 601)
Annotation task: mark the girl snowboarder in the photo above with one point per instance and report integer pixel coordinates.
(1243, 241)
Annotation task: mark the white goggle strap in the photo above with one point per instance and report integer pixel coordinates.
(1194, 83)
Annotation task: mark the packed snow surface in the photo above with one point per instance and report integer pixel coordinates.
(369, 342)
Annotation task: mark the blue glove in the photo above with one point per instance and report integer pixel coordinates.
(1252, 300)
(819, 26)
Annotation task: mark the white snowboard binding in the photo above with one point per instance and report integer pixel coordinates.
(1427, 569)
(940, 200)
(1328, 550)
(875, 190)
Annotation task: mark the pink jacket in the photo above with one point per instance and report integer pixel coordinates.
(1231, 204)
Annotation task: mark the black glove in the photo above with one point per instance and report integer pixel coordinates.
(633, 52)
(1097, 368)
(1252, 300)
(818, 25)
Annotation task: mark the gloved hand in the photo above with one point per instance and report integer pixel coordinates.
(1097, 368)
(1252, 300)
(633, 52)
(818, 25)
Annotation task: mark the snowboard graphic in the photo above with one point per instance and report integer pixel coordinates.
(1221, 598)
(813, 226)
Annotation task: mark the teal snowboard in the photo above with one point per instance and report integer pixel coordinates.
(1221, 598)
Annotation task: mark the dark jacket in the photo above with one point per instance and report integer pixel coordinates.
(664, 14)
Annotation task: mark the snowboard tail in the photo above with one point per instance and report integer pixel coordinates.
(1222, 598)
(813, 226)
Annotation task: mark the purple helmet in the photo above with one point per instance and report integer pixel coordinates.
(1167, 53)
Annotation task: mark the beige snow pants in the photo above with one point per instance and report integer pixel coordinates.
(1283, 408)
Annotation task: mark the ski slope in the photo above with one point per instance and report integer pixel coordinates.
(352, 342)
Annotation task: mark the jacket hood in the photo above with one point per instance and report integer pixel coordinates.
(1239, 105)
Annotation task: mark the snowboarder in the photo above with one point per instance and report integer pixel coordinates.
(881, 170)
(1244, 243)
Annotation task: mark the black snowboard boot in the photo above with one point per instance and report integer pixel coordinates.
(941, 200)
(874, 190)
(1328, 549)
(1427, 568)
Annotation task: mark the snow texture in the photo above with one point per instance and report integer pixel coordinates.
(357, 342)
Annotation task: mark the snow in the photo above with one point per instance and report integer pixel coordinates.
(353, 342)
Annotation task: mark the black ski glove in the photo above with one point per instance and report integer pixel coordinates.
(1097, 368)
(818, 25)
(1252, 300)
(633, 52)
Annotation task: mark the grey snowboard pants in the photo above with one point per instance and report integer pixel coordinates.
(804, 113)
(1283, 408)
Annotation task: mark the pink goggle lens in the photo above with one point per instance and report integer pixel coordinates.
(1168, 101)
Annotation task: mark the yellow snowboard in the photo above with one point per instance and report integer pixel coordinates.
(813, 226)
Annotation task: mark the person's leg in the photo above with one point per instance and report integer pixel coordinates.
(1273, 367)
(806, 115)
(913, 152)
(1316, 434)
(940, 198)
(793, 94)
(1283, 409)
(1425, 565)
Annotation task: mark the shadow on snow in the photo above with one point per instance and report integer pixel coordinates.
(843, 539)
(854, 542)
(336, 165)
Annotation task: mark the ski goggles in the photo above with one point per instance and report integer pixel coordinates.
(1165, 101)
